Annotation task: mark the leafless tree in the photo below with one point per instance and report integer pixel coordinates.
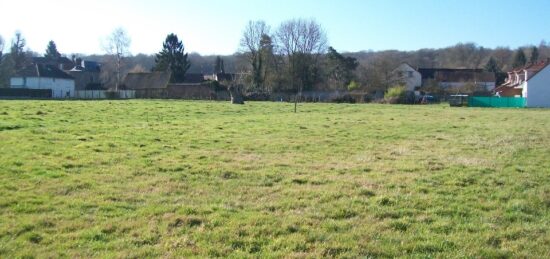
(117, 46)
(252, 44)
(301, 42)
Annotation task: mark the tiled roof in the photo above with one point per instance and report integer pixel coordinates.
(456, 75)
(149, 80)
(42, 70)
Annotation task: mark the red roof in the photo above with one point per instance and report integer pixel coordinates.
(531, 68)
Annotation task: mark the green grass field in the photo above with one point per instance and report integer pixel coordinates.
(135, 179)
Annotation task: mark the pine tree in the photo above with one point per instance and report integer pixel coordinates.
(219, 66)
(534, 55)
(173, 58)
(51, 51)
(519, 59)
(492, 66)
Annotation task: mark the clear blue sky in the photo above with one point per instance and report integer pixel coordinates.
(215, 26)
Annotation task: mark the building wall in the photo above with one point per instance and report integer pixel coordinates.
(61, 88)
(408, 75)
(537, 89)
(84, 78)
(509, 92)
(488, 86)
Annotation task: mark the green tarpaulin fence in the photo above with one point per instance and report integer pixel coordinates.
(497, 102)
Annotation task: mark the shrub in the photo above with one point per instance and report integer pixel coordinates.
(396, 94)
(353, 86)
(343, 99)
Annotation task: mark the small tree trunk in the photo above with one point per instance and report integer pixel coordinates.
(236, 95)
(295, 103)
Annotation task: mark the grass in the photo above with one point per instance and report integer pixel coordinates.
(134, 179)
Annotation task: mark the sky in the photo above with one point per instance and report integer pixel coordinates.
(215, 26)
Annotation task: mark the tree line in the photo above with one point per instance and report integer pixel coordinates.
(294, 56)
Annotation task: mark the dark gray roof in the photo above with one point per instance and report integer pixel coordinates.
(62, 62)
(149, 80)
(193, 78)
(456, 74)
(42, 70)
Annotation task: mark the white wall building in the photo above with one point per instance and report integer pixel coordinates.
(536, 90)
(45, 77)
(407, 75)
(531, 82)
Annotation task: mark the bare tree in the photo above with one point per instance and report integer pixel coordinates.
(117, 46)
(251, 46)
(301, 42)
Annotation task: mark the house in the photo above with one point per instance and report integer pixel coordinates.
(459, 77)
(446, 78)
(406, 74)
(531, 82)
(62, 63)
(147, 84)
(193, 78)
(157, 85)
(42, 76)
(86, 74)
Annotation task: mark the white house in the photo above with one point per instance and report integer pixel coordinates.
(407, 75)
(531, 82)
(40, 76)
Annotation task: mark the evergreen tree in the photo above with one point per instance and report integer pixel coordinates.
(219, 66)
(7, 68)
(51, 51)
(519, 59)
(492, 66)
(340, 68)
(173, 58)
(534, 55)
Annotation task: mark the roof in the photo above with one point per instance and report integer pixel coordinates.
(457, 74)
(62, 62)
(405, 63)
(225, 77)
(516, 77)
(42, 70)
(147, 80)
(193, 78)
(44, 60)
(87, 66)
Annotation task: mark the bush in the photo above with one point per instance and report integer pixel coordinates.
(343, 99)
(396, 94)
(353, 86)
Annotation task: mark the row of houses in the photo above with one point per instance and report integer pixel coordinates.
(70, 79)
(65, 77)
(157, 85)
(415, 79)
(62, 76)
(531, 82)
